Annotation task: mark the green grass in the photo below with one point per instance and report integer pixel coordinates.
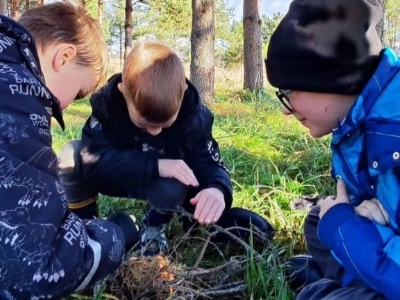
(272, 160)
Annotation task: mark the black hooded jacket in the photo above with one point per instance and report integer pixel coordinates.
(115, 149)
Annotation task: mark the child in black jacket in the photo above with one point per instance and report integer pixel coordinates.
(150, 137)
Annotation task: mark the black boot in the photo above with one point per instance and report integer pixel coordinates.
(301, 270)
(246, 223)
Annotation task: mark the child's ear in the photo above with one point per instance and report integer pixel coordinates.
(63, 54)
(121, 87)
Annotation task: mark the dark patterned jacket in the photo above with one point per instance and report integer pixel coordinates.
(45, 250)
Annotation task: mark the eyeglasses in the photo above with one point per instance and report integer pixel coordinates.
(283, 96)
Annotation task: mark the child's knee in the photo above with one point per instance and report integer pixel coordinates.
(167, 193)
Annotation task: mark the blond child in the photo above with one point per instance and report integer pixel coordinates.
(55, 56)
(150, 137)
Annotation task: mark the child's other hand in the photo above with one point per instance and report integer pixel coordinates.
(210, 204)
(178, 169)
(373, 210)
(341, 197)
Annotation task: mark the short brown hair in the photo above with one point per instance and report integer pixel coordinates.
(64, 22)
(154, 80)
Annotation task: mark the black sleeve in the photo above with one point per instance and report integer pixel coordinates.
(103, 159)
(203, 156)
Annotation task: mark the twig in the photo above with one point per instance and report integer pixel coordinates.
(203, 250)
(223, 290)
(191, 273)
(246, 246)
(226, 231)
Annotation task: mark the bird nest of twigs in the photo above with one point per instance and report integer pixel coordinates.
(159, 278)
(195, 267)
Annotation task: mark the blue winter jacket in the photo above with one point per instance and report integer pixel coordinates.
(45, 250)
(366, 154)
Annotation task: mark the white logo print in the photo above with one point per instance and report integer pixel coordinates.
(10, 130)
(215, 154)
(5, 69)
(5, 42)
(42, 122)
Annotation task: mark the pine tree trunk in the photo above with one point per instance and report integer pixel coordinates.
(128, 27)
(252, 45)
(15, 9)
(121, 43)
(100, 5)
(380, 28)
(27, 4)
(3, 7)
(202, 48)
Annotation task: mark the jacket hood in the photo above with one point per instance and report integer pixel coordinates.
(11, 33)
(14, 36)
(191, 100)
(384, 75)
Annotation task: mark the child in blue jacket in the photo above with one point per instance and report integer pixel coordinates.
(327, 61)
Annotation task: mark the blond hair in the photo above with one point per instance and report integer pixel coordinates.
(154, 80)
(64, 22)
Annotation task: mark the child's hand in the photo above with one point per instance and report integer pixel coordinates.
(210, 204)
(178, 169)
(331, 201)
(373, 210)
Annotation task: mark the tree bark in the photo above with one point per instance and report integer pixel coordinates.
(15, 9)
(202, 48)
(128, 27)
(100, 6)
(252, 45)
(121, 42)
(380, 28)
(3, 7)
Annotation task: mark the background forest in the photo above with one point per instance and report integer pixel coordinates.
(274, 163)
(206, 33)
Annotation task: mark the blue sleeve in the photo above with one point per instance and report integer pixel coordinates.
(367, 250)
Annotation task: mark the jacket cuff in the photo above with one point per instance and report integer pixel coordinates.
(85, 210)
(151, 168)
(227, 194)
(332, 220)
(156, 171)
(217, 186)
(128, 227)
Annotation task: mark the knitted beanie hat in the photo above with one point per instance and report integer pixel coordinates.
(327, 46)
